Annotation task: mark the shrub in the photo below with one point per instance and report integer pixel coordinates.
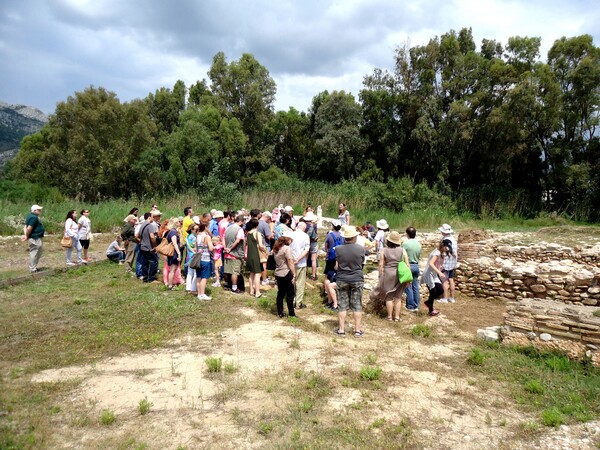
(421, 330)
(214, 364)
(370, 373)
(476, 358)
(144, 406)
(552, 417)
(107, 417)
(534, 387)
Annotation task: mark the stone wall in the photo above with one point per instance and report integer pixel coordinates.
(550, 325)
(516, 273)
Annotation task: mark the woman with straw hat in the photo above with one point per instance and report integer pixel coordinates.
(389, 288)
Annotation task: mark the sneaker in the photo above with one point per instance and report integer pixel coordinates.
(433, 313)
(69, 264)
(335, 308)
(443, 300)
(359, 333)
(301, 306)
(216, 284)
(264, 282)
(204, 297)
(237, 291)
(36, 270)
(451, 300)
(412, 310)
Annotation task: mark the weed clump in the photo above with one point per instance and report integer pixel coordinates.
(214, 364)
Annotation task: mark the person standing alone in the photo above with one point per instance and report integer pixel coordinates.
(34, 233)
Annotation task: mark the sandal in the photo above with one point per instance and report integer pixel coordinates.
(390, 319)
(340, 332)
(359, 333)
(435, 312)
(258, 296)
(313, 277)
(396, 319)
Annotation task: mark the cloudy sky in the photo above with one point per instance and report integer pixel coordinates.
(52, 48)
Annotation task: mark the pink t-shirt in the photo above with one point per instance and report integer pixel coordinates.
(223, 224)
(218, 252)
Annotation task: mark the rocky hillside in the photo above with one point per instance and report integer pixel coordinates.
(17, 121)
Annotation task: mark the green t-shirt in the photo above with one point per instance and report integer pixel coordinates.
(37, 229)
(413, 250)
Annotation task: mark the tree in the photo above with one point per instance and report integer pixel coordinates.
(245, 90)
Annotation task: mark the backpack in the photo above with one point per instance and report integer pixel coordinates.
(336, 241)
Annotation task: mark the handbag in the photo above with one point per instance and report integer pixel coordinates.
(271, 262)
(66, 242)
(404, 273)
(196, 261)
(165, 248)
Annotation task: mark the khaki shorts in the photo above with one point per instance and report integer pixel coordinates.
(233, 266)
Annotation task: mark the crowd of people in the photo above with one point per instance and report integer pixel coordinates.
(227, 245)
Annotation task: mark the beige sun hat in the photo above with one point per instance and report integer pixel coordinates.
(350, 232)
(395, 238)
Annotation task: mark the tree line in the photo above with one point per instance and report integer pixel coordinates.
(490, 126)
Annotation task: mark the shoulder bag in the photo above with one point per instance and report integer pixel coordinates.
(165, 248)
(404, 273)
(66, 242)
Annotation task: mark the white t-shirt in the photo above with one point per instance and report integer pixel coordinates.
(343, 218)
(300, 244)
(85, 228)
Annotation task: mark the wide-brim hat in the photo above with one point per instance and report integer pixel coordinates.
(349, 232)
(156, 212)
(196, 220)
(395, 238)
(446, 229)
(130, 217)
(219, 215)
(382, 224)
(310, 217)
(288, 208)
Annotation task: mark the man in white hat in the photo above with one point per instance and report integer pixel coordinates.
(33, 233)
(349, 280)
(449, 265)
(312, 231)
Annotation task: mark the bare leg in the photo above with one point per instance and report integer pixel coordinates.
(172, 270)
(389, 306)
(201, 285)
(342, 320)
(397, 308)
(357, 320)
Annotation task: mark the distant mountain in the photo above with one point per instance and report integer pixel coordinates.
(16, 122)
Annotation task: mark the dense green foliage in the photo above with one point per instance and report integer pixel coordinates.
(496, 129)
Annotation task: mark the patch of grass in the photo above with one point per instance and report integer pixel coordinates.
(597, 313)
(370, 373)
(560, 390)
(107, 417)
(552, 417)
(265, 428)
(229, 368)
(213, 364)
(476, 358)
(144, 406)
(370, 359)
(421, 330)
(534, 387)
(295, 343)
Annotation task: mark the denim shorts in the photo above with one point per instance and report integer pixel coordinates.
(449, 273)
(349, 295)
(204, 270)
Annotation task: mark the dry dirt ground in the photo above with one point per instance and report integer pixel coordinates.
(427, 383)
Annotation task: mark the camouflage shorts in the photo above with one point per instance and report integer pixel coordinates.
(349, 295)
